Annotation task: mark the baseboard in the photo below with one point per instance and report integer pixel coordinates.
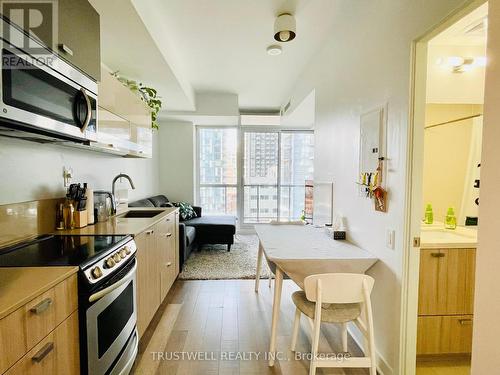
(383, 367)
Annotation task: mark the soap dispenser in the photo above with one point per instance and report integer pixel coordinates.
(429, 215)
(450, 220)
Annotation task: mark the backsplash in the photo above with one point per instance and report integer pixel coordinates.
(19, 221)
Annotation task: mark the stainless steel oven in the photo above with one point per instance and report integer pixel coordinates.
(110, 319)
(43, 96)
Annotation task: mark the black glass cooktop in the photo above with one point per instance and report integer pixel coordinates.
(59, 251)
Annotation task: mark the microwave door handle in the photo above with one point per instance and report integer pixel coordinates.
(98, 295)
(89, 110)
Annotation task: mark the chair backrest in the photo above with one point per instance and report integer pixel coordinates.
(338, 287)
(294, 222)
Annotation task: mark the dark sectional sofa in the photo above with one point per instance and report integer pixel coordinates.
(197, 231)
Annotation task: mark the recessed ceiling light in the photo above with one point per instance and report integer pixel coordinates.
(274, 50)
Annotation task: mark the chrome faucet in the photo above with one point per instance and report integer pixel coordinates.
(113, 187)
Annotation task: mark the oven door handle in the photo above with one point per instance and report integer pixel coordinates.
(96, 296)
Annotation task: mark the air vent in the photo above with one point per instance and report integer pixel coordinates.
(477, 28)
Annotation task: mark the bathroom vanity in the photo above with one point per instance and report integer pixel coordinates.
(446, 290)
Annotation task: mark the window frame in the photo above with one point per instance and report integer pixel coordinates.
(240, 134)
(198, 184)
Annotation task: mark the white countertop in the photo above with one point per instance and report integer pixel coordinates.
(436, 236)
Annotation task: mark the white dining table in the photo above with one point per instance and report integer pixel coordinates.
(299, 251)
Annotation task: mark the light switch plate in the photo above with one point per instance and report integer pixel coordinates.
(390, 238)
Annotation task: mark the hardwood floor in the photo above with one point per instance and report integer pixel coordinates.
(227, 325)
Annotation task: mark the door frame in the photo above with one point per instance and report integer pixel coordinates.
(413, 195)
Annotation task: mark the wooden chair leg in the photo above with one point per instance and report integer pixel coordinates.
(270, 279)
(295, 331)
(314, 346)
(344, 337)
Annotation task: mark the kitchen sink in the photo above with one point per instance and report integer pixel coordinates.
(140, 214)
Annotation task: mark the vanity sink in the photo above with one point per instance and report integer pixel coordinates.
(139, 214)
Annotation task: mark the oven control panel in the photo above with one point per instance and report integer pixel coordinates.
(111, 262)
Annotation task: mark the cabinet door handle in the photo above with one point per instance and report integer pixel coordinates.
(169, 264)
(64, 48)
(42, 306)
(168, 235)
(151, 231)
(168, 219)
(42, 353)
(438, 255)
(465, 321)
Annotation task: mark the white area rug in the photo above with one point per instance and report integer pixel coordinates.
(214, 262)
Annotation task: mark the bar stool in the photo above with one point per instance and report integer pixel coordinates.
(337, 298)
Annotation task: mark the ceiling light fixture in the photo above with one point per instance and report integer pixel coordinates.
(460, 64)
(285, 28)
(274, 50)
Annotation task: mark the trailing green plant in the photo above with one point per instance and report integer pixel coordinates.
(147, 94)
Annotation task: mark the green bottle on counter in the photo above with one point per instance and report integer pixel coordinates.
(450, 220)
(429, 215)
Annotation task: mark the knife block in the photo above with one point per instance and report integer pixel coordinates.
(80, 219)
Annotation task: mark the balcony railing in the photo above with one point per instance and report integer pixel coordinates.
(281, 200)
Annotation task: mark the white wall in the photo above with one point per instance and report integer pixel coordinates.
(32, 171)
(485, 354)
(177, 160)
(366, 64)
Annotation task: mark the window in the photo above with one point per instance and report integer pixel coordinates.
(276, 166)
(217, 170)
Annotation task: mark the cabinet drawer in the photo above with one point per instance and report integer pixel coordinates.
(12, 349)
(35, 320)
(444, 334)
(48, 310)
(57, 353)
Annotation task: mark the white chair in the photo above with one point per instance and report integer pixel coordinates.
(337, 298)
(277, 222)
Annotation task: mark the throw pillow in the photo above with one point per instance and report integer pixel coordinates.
(186, 211)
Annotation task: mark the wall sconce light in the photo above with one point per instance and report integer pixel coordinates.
(460, 64)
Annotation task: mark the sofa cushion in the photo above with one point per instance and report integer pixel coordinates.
(158, 200)
(215, 223)
(141, 203)
(190, 235)
(186, 211)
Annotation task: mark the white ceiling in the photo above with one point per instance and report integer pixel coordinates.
(444, 86)
(220, 45)
(468, 31)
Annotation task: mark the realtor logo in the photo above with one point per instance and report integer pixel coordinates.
(37, 18)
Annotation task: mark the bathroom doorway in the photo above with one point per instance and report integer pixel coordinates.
(449, 74)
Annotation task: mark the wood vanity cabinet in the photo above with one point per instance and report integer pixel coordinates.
(42, 337)
(446, 301)
(79, 39)
(157, 267)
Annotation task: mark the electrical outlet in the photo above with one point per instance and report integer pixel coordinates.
(390, 238)
(67, 175)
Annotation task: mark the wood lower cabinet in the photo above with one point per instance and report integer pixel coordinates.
(57, 353)
(444, 334)
(41, 337)
(446, 301)
(157, 267)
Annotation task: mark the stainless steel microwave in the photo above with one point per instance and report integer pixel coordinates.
(42, 97)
